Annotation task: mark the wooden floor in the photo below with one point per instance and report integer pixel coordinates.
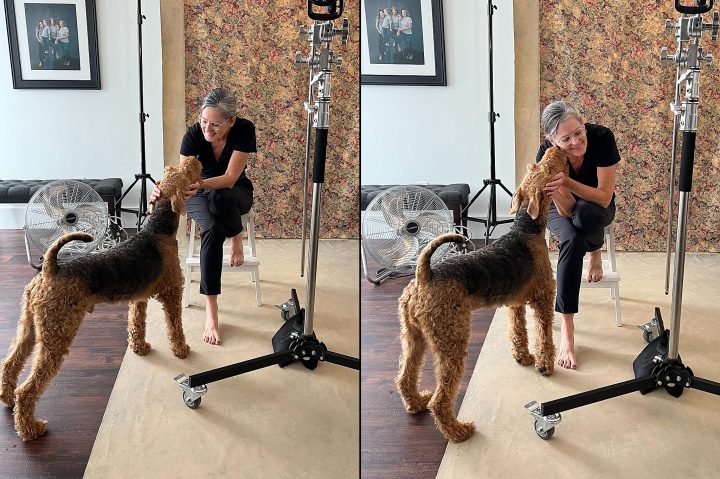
(393, 443)
(75, 401)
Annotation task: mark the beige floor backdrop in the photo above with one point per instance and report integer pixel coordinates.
(633, 436)
(279, 423)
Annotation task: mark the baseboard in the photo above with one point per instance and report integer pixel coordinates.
(12, 216)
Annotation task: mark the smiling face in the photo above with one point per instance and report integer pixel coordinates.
(571, 138)
(214, 125)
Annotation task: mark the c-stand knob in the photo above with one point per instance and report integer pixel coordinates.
(303, 31)
(337, 61)
(708, 58)
(343, 32)
(665, 57)
(715, 25)
(669, 25)
(299, 60)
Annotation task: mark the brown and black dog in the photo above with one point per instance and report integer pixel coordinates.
(513, 271)
(56, 301)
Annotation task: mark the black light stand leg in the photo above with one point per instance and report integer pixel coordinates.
(668, 371)
(491, 220)
(296, 340)
(141, 211)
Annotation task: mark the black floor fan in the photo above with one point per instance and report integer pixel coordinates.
(296, 340)
(491, 221)
(140, 178)
(659, 364)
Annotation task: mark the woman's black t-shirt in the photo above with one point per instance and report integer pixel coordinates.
(241, 137)
(601, 151)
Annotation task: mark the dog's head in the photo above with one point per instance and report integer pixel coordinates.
(531, 191)
(177, 179)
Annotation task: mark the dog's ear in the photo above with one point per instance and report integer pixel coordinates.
(178, 204)
(517, 200)
(531, 167)
(533, 208)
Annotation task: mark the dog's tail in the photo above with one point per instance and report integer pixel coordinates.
(423, 273)
(49, 266)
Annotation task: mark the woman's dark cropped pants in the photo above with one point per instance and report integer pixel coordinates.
(218, 212)
(581, 233)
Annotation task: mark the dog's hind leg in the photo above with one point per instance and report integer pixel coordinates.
(171, 298)
(20, 349)
(519, 336)
(544, 346)
(449, 338)
(53, 345)
(411, 363)
(136, 327)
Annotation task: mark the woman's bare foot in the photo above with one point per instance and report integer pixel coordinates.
(237, 255)
(595, 272)
(212, 328)
(566, 352)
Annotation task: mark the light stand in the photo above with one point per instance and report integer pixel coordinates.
(659, 364)
(296, 340)
(141, 211)
(491, 221)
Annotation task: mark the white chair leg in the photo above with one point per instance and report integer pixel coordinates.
(186, 294)
(256, 274)
(616, 297)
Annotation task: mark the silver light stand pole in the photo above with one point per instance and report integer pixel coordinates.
(689, 29)
(299, 61)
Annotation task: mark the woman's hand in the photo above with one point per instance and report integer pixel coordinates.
(156, 193)
(192, 190)
(558, 181)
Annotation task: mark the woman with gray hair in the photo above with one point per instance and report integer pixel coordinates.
(583, 204)
(222, 142)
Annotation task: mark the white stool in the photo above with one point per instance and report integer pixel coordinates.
(251, 264)
(611, 277)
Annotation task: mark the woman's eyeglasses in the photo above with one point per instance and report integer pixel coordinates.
(575, 134)
(213, 124)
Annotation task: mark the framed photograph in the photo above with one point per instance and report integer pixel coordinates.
(402, 43)
(53, 43)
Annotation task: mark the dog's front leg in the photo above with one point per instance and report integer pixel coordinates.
(137, 316)
(519, 336)
(171, 298)
(544, 346)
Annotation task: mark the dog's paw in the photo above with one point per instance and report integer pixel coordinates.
(32, 429)
(459, 432)
(420, 404)
(545, 367)
(524, 359)
(141, 349)
(181, 351)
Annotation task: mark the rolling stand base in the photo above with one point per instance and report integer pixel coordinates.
(671, 374)
(290, 345)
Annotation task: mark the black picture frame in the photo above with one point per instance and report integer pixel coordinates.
(41, 62)
(404, 71)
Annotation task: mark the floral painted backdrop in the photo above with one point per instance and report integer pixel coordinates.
(249, 47)
(603, 56)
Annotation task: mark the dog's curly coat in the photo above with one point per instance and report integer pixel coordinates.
(513, 271)
(57, 299)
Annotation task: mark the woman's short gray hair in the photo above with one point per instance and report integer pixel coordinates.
(556, 113)
(221, 99)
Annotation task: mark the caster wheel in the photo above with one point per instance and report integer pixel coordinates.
(542, 433)
(189, 403)
(648, 336)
